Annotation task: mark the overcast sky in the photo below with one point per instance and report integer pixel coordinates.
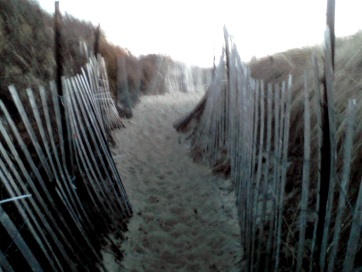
(191, 30)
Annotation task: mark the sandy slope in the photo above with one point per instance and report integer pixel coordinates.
(184, 217)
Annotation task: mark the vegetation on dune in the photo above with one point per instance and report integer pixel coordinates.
(347, 84)
(25, 48)
(27, 51)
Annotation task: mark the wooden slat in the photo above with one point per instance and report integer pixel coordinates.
(31, 133)
(343, 189)
(39, 213)
(318, 106)
(77, 222)
(87, 160)
(65, 176)
(47, 154)
(30, 182)
(4, 264)
(106, 154)
(252, 128)
(283, 98)
(19, 241)
(259, 168)
(275, 177)
(333, 147)
(58, 121)
(355, 234)
(41, 155)
(283, 172)
(102, 149)
(265, 183)
(13, 189)
(258, 115)
(306, 173)
(103, 143)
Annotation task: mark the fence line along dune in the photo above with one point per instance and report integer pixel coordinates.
(262, 125)
(286, 130)
(63, 194)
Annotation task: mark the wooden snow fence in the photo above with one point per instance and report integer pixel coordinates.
(105, 105)
(243, 127)
(56, 209)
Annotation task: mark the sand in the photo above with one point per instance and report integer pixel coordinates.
(185, 217)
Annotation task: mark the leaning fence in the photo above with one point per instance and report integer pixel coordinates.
(244, 127)
(69, 201)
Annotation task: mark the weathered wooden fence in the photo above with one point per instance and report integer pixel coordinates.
(68, 202)
(244, 125)
(184, 78)
(167, 75)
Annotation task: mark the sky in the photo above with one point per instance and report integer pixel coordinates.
(191, 30)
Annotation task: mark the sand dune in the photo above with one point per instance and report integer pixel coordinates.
(184, 216)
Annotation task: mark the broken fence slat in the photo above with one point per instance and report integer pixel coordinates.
(14, 199)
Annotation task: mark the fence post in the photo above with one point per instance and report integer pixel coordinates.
(326, 151)
(97, 35)
(227, 54)
(331, 7)
(59, 73)
(123, 95)
(58, 48)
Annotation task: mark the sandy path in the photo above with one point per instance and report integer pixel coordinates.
(184, 217)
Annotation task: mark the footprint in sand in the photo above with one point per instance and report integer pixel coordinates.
(153, 199)
(180, 226)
